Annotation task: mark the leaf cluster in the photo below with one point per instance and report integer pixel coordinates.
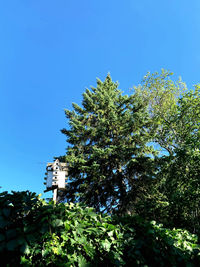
(36, 233)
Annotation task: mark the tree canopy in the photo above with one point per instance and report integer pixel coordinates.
(108, 147)
(137, 153)
(135, 161)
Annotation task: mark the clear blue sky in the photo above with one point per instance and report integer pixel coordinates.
(50, 51)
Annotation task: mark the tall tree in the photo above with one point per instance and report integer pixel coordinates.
(108, 152)
(175, 113)
(162, 94)
(180, 175)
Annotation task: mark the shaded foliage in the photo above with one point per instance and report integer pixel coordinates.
(36, 233)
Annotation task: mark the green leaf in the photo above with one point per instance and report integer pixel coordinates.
(57, 223)
(12, 245)
(6, 212)
(67, 226)
(45, 252)
(111, 233)
(111, 227)
(89, 250)
(82, 262)
(29, 228)
(3, 222)
(10, 234)
(25, 248)
(25, 262)
(106, 245)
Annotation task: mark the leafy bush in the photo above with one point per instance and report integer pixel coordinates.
(39, 234)
(36, 233)
(150, 244)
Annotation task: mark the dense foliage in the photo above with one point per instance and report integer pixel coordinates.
(137, 154)
(107, 147)
(36, 233)
(135, 161)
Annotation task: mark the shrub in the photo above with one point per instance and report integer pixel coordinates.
(36, 233)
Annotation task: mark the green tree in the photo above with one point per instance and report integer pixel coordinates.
(180, 173)
(108, 152)
(174, 196)
(175, 113)
(111, 163)
(162, 94)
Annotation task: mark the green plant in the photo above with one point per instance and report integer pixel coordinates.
(36, 233)
(41, 233)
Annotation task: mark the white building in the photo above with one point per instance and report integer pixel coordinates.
(56, 174)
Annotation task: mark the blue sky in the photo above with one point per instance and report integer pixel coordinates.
(50, 51)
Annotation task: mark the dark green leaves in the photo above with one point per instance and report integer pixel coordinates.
(57, 223)
(77, 236)
(104, 135)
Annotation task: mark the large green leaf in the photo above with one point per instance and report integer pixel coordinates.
(6, 212)
(82, 262)
(11, 234)
(12, 245)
